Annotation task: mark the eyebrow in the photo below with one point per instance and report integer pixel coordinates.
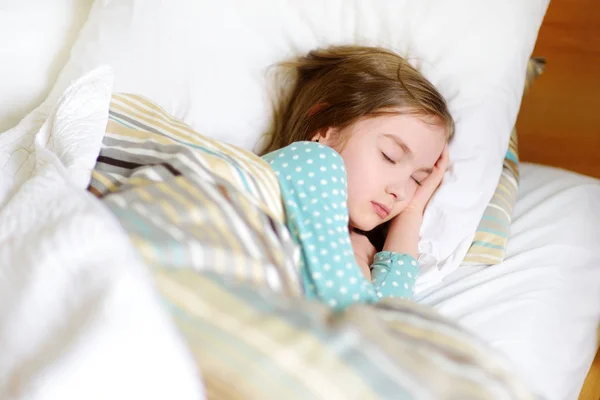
(406, 149)
(399, 142)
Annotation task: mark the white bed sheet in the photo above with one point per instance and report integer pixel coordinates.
(541, 306)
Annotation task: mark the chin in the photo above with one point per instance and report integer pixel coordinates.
(365, 224)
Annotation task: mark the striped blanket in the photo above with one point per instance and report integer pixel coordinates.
(208, 221)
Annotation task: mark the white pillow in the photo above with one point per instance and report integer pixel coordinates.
(206, 63)
(36, 38)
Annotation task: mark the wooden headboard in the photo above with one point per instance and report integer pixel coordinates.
(559, 122)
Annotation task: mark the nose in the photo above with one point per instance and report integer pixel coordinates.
(396, 191)
(398, 186)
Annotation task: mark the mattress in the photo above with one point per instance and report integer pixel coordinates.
(541, 306)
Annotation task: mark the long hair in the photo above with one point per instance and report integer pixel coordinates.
(336, 86)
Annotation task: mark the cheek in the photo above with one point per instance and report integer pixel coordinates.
(411, 190)
(409, 194)
(359, 176)
(359, 190)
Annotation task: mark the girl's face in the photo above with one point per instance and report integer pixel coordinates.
(386, 157)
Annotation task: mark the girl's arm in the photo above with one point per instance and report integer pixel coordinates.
(403, 235)
(393, 274)
(364, 252)
(312, 178)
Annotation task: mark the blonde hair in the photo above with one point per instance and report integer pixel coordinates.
(336, 86)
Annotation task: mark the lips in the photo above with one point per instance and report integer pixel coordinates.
(381, 210)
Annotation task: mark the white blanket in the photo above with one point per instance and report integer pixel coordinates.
(78, 316)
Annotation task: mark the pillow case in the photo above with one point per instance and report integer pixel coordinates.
(489, 244)
(207, 63)
(41, 34)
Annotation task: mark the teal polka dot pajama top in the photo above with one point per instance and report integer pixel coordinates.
(312, 178)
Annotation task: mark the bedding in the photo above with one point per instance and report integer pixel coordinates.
(547, 338)
(81, 317)
(78, 315)
(91, 310)
(197, 211)
(491, 237)
(189, 201)
(122, 303)
(185, 56)
(541, 305)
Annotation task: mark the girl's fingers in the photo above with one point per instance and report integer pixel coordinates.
(435, 179)
(445, 158)
(432, 182)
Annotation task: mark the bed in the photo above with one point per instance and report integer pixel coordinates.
(540, 307)
(551, 261)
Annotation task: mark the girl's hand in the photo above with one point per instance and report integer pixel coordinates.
(364, 252)
(429, 185)
(403, 234)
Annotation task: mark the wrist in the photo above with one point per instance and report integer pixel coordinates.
(414, 211)
(407, 219)
(403, 235)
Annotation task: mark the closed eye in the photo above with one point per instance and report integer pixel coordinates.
(418, 183)
(387, 158)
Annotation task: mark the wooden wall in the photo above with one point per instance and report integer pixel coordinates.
(559, 122)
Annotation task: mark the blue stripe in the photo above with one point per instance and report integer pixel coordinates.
(120, 121)
(512, 156)
(494, 219)
(242, 349)
(355, 358)
(231, 161)
(503, 234)
(486, 244)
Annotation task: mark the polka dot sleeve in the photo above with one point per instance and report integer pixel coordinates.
(313, 185)
(394, 274)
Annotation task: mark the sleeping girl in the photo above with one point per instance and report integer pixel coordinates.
(359, 148)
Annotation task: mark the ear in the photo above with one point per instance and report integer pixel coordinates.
(326, 137)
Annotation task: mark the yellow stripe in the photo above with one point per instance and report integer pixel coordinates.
(124, 101)
(257, 167)
(486, 259)
(499, 200)
(265, 176)
(144, 194)
(482, 252)
(110, 186)
(507, 186)
(212, 350)
(151, 115)
(221, 225)
(118, 131)
(508, 194)
(147, 251)
(139, 181)
(511, 168)
(237, 317)
(490, 238)
(170, 211)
